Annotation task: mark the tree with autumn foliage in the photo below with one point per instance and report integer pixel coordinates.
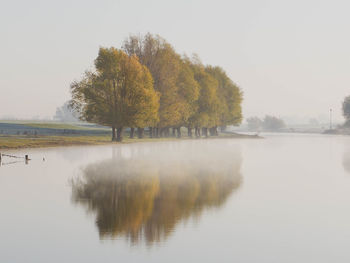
(165, 66)
(118, 94)
(147, 84)
(207, 105)
(230, 97)
(188, 94)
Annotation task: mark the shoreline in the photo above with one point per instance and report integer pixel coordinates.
(23, 142)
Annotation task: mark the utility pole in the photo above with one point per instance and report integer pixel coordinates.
(330, 119)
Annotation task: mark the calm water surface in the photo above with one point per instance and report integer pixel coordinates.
(284, 198)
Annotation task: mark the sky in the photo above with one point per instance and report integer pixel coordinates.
(290, 58)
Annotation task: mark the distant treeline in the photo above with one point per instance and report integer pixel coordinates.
(269, 123)
(147, 84)
(65, 114)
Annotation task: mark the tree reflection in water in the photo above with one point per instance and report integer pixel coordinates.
(145, 196)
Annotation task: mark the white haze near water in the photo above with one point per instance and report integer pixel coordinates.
(291, 58)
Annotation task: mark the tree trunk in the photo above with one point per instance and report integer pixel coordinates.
(198, 132)
(178, 132)
(114, 137)
(132, 131)
(212, 131)
(216, 131)
(150, 132)
(119, 134)
(157, 132)
(173, 134)
(140, 132)
(189, 132)
(205, 132)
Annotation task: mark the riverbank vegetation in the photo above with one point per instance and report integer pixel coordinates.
(146, 85)
(29, 141)
(8, 142)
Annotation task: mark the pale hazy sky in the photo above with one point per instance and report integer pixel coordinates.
(291, 58)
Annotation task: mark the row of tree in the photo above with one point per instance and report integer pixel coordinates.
(269, 123)
(147, 84)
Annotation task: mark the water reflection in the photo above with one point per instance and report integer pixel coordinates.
(143, 194)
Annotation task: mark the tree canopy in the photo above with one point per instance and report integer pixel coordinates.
(118, 94)
(147, 84)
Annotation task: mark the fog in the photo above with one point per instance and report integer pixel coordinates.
(290, 58)
(143, 193)
(284, 197)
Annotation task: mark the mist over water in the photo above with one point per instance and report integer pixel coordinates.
(145, 193)
(284, 198)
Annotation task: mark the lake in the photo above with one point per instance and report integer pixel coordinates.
(284, 198)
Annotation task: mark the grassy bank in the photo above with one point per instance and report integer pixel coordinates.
(16, 142)
(22, 141)
(28, 134)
